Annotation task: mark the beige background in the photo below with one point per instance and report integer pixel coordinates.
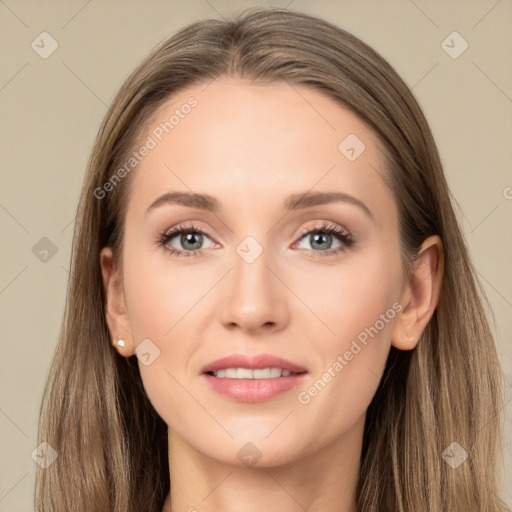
(52, 108)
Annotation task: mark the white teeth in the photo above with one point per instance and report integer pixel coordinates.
(247, 373)
(275, 372)
(244, 373)
(263, 373)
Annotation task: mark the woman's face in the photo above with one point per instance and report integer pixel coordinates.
(266, 278)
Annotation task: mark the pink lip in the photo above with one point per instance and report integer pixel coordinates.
(253, 362)
(253, 390)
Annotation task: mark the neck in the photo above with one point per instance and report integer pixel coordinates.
(323, 481)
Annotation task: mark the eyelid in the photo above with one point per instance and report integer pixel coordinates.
(183, 227)
(326, 225)
(342, 234)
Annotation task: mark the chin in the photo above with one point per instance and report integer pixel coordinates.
(260, 452)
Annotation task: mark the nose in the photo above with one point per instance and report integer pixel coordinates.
(255, 297)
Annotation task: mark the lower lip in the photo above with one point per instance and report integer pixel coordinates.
(253, 390)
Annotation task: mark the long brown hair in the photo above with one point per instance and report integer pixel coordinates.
(112, 445)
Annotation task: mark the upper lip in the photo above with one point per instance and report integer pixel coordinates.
(253, 362)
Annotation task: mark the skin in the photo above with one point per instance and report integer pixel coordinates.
(250, 146)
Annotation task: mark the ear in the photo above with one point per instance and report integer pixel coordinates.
(420, 296)
(115, 308)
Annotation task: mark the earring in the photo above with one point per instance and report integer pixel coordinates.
(411, 339)
(119, 342)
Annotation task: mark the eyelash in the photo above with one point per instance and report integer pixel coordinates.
(342, 235)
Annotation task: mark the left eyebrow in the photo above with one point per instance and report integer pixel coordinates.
(309, 199)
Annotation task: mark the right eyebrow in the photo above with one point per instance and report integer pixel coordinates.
(191, 199)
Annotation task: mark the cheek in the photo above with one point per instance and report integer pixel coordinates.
(359, 307)
(346, 299)
(158, 294)
(147, 303)
(154, 310)
(164, 305)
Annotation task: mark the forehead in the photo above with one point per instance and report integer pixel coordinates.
(244, 141)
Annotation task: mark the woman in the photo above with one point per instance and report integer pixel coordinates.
(259, 368)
